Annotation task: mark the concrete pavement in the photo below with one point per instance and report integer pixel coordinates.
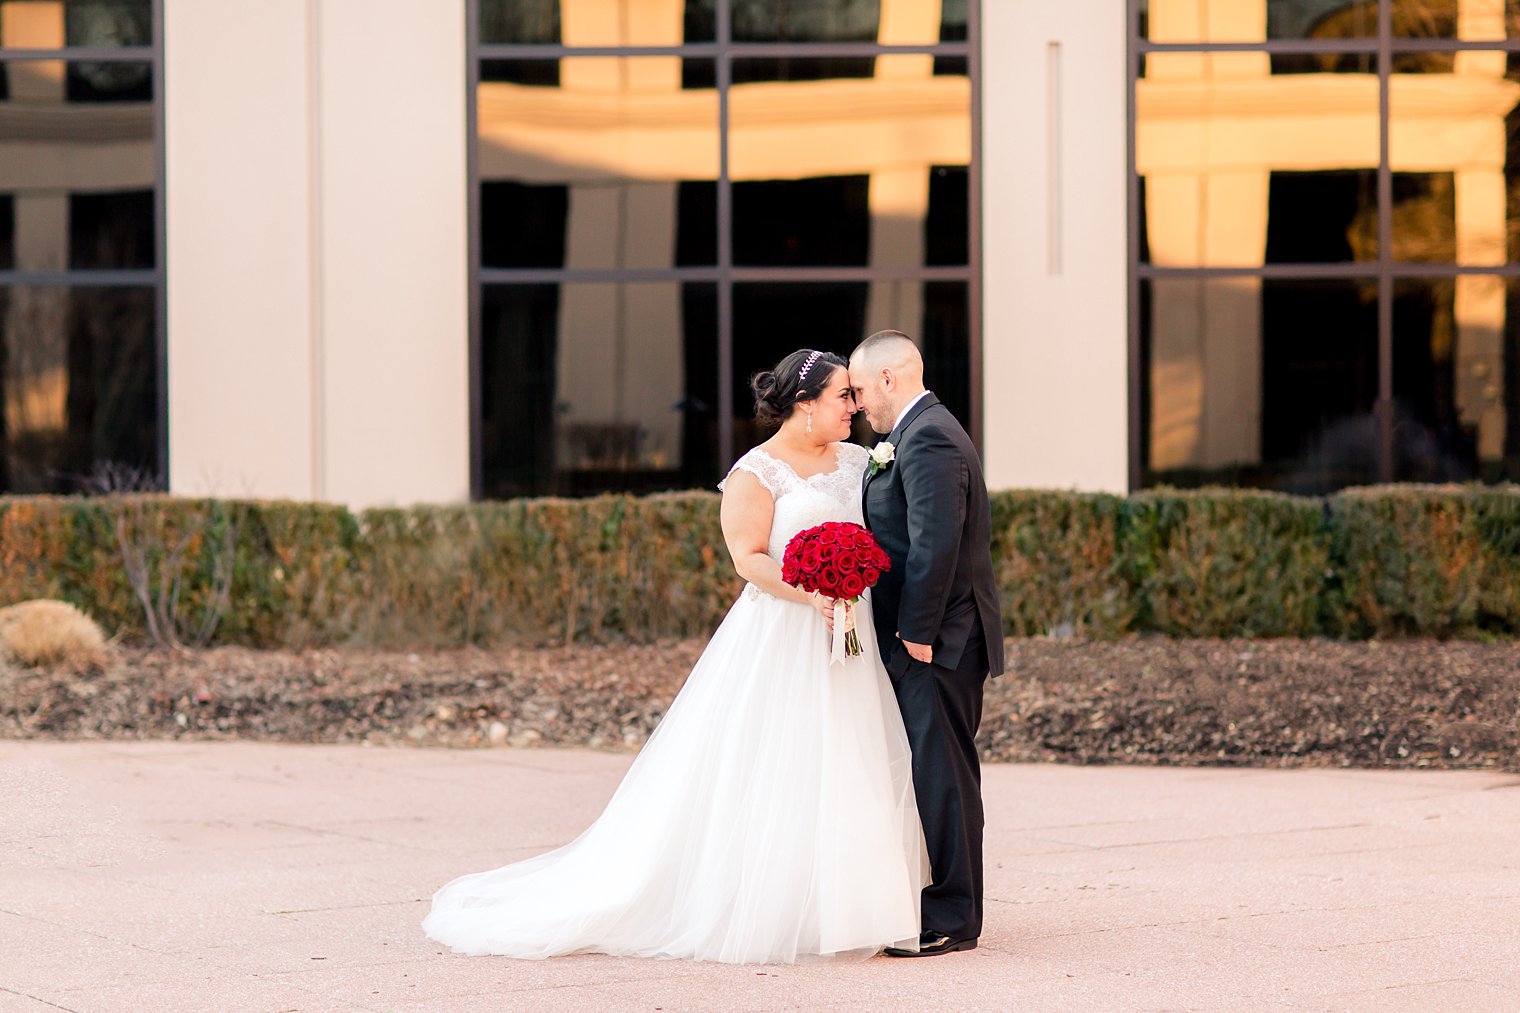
(240, 876)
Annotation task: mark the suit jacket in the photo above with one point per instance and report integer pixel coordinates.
(928, 509)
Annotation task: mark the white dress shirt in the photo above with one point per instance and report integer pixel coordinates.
(904, 413)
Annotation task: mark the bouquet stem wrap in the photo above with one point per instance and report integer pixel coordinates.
(846, 640)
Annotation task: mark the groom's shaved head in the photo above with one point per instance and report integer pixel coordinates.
(887, 372)
(892, 350)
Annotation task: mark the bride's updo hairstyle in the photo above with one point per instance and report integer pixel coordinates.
(800, 376)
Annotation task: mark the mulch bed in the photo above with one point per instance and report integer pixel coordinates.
(1143, 700)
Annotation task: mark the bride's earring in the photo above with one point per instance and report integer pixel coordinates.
(810, 422)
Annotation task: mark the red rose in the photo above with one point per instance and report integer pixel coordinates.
(871, 575)
(882, 560)
(863, 539)
(852, 585)
(810, 558)
(828, 581)
(827, 550)
(846, 560)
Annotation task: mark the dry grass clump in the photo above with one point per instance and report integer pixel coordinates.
(46, 632)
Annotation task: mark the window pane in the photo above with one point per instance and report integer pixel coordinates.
(802, 68)
(804, 20)
(947, 239)
(1445, 19)
(589, 172)
(847, 171)
(1242, 166)
(521, 22)
(588, 387)
(77, 178)
(1454, 121)
(1456, 367)
(98, 23)
(772, 320)
(80, 385)
(1192, 21)
(802, 221)
(953, 26)
(1260, 383)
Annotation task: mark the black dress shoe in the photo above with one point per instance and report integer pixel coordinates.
(932, 944)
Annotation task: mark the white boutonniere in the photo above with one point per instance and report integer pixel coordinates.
(881, 456)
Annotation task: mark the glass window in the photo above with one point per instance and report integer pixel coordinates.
(80, 335)
(1456, 363)
(519, 22)
(1243, 166)
(1260, 382)
(106, 24)
(1192, 21)
(1488, 21)
(846, 196)
(80, 384)
(590, 387)
(802, 221)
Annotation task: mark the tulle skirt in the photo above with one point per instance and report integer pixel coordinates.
(769, 817)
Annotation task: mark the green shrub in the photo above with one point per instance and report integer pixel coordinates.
(1226, 563)
(1439, 561)
(1056, 557)
(1394, 561)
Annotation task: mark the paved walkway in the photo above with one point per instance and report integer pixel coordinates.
(217, 876)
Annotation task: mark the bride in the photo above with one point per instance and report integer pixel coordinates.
(771, 815)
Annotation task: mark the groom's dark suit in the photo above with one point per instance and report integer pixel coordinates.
(928, 509)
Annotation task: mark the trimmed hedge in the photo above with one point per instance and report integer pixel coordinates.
(1383, 561)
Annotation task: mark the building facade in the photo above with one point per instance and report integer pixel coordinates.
(398, 250)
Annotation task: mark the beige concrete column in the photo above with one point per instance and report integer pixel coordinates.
(1054, 232)
(239, 100)
(392, 220)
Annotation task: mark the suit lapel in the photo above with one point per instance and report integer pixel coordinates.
(893, 438)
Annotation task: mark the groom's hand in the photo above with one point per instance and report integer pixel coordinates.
(919, 652)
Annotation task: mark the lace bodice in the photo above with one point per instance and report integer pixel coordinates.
(805, 502)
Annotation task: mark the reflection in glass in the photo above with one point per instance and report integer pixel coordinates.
(522, 224)
(27, 24)
(790, 20)
(519, 22)
(953, 27)
(591, 387)
(1446, 19)
(1256, 20)
(111, 231)
(802, 222)
(1262, 383)
(1456, 363)
(947, 236)
(1235, 159)
(80, 385)
(1458, 124)
(773, 319)
(1322, 217)
(7, 232)
(593, 168)
(77, 191)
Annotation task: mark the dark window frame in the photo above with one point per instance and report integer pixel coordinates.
(723, 51)
(1385, 46)
(157, 277)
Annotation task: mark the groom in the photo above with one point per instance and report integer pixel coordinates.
(938, 617)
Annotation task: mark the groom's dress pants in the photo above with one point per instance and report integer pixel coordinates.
(941, 710)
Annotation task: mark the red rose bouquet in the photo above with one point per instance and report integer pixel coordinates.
(840, 560)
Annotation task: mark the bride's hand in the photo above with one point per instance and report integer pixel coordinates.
(825, 606)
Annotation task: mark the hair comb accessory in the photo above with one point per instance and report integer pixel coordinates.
(808, 365)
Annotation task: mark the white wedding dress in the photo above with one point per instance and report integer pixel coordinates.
(770, 816)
